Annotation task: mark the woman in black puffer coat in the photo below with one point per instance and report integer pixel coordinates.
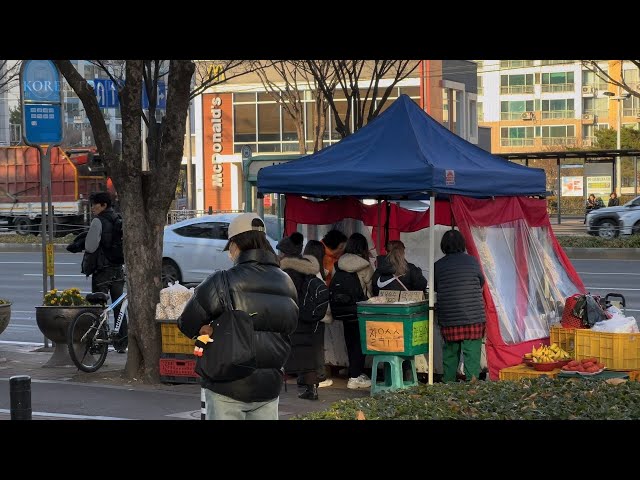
(259, 287)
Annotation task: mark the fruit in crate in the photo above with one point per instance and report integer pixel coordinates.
(548, 354)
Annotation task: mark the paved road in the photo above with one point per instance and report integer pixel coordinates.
(21, 281)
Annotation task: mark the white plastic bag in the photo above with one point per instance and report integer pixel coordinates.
(617, 324)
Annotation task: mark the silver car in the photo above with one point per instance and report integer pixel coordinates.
(193, 248)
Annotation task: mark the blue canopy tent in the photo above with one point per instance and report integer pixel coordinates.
(403, 154)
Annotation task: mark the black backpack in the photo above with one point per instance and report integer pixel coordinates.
(345, 291)
(314, 300)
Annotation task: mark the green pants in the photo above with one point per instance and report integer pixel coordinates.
(471, 349)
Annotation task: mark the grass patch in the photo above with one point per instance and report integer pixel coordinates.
(536, 399)
(569, 241)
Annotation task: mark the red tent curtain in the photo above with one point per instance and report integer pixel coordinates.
(301, 210)
(470, 212)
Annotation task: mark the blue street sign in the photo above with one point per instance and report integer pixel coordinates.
(42, 123)
(161, 102)
(41, 100)
(40, 81)
(106, 93)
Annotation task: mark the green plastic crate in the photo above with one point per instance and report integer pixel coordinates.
(412, 308)
(388, 334)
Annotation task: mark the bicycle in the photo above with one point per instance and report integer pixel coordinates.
(89, 334)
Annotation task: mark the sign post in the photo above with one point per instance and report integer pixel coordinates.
(41, 106)
(246, 161)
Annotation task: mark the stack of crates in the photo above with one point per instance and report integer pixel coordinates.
(618, 351)
(400, 329)
(177, 362)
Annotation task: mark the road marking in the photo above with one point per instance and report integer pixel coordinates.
(603, 260)
(610, 288)
(69, 416)
(612, 273)
(13, 342)
(57, 275)
(40, 263)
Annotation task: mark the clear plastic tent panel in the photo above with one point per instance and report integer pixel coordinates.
(525, 277)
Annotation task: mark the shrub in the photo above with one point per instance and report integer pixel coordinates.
(568, 241)
(536, 399)
(4, 302)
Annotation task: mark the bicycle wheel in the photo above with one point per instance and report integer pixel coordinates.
(88, 346)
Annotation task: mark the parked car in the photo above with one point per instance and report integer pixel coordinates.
(193, 248)
(609, 222)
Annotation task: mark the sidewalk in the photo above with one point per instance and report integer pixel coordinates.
(176, 402)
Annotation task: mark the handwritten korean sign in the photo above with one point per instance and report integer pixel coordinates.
(390, 295)
(420, 333)
(411, 296)
(385, 336)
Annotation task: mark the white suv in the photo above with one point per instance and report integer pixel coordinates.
(193, 248)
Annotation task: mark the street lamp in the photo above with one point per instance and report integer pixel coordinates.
(619, 98)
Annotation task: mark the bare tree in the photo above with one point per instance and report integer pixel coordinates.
(603, 74)
(359, 81)
(286, 81)
(145, 196)
(9, 73)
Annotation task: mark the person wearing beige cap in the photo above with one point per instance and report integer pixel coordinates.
(260, 288)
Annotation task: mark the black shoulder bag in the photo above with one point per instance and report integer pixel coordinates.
(232, 354)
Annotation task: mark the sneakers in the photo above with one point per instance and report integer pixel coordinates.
(361, 381)
(325, 383)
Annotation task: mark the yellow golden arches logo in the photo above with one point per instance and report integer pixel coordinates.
(217, 73)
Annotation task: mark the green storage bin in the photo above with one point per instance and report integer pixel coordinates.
(411, 308)
(404, 335)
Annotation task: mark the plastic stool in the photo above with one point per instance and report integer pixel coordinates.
(393, 377)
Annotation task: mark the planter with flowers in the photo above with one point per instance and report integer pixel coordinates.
(54, 317)
(5, 314)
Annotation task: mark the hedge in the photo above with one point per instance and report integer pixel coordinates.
(536, 399)
(588, 241)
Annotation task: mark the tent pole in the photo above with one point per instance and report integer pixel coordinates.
(432, 254)
(378, 249)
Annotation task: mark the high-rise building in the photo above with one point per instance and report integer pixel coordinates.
(535, 105)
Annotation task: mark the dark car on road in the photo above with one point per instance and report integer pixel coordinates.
(609, 222)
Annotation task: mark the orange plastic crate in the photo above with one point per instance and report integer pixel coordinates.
(618, 351)
(523, 371)
(173, 340)
(564, 337)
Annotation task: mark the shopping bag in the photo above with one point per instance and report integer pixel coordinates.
(569, 318)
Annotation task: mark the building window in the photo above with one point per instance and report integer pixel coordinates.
(516, 136)
(514, 84)
(268, 122)
(244, 123)
(515, 63)
(557, 82)
(480, 107)
(559, 135)
(515, 110)
(598, 107)
(556, 62)
(592, 80)
(480, 85)
(631, 107)
(560, 108)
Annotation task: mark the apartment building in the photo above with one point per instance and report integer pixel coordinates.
(534, 105)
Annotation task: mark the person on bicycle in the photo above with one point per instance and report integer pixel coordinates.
(260, 288)
(104, 256)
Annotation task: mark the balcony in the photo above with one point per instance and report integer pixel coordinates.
(589, 141)
(516, 116)
(567, 141)
(598, 114)
(557, 87)
(516, 142)
(515, 89)
(558, 114)
(631, 112)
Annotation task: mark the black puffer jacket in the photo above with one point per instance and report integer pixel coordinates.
(383, 278)
(303, 354)
(257, 285)
(458, 280)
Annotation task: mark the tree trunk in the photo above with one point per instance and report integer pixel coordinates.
(300, 129)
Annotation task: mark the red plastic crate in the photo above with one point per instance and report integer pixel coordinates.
(175, 367)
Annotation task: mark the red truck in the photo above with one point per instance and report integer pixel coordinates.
(75, 174)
